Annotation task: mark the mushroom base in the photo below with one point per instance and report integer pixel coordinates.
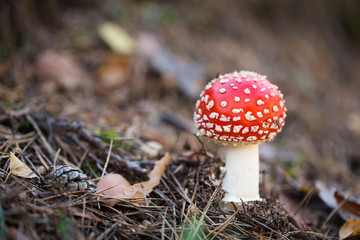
(241, 181)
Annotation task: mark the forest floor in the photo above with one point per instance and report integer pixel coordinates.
(110, 87)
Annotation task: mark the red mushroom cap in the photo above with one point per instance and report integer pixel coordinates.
(239, 108)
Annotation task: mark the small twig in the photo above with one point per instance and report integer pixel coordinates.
(63, 195)
(7, 177)
(83, 156)
(18, 113)
(338, 207)
(164, 180)
(41, 135)
(162, 230)
(43, 162)
(202, 144)
(56, 157)
(95, 141)
(7, 147)
(134, 166)
(66, 149)
(305, 199)
(83, 214)
(165, 198)
(24, 148)
(49, 129)
(34, 169)
(309, 233)
(107, 159)
(183, 194)
(272, 230)
(144, 193)
(220, 228)
(5, 143)
(107, 231)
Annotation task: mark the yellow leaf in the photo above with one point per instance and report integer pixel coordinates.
(117, 38)
(18, 168)
(351, 228)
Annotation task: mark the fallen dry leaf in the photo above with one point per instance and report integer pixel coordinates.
(18, 168)
(137, 190)
(350, 229)
(59, 70)
(156, 173)
(114, 72)
(349, 205)
(111, 185)
(117, 38)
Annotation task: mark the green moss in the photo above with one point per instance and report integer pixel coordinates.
(292, 167)
(168, 17)
(65, 227)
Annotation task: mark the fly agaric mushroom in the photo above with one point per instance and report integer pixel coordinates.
(240, 110)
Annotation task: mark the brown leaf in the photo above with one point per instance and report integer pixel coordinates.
(137, 190)
(349, 206)
(115, 71)
(59, 70)
(156, 174)
(350, 229)
(18, 168)
(111, 185)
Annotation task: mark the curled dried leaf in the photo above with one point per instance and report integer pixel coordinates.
(18, 168)
(154, 178)
(115, 71)
(111, 185)
(347, 205)
(116, 186)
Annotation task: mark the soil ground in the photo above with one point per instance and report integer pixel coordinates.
(68, 95)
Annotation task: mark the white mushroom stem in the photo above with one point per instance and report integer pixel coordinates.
(241, 181)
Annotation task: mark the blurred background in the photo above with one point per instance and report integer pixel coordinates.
(137, 67)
